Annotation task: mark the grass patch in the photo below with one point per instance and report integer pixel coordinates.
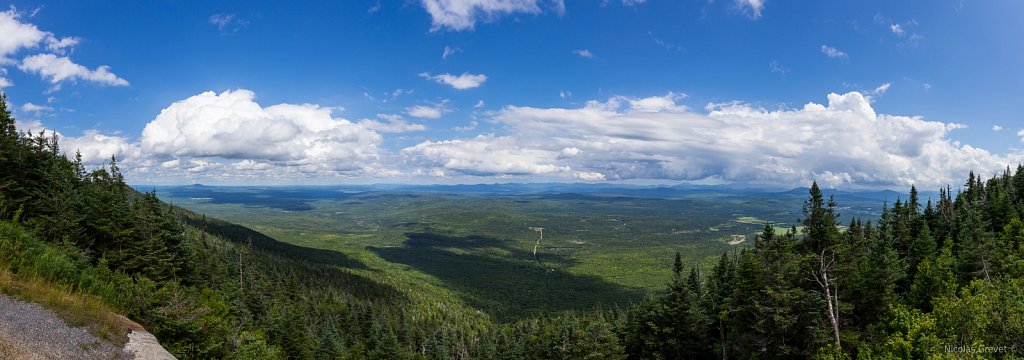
(750, 220)
(76, 309)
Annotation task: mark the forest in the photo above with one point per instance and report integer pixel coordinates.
(929, 279)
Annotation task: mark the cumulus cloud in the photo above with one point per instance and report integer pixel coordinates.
(61, 45)
(841, 142)
(18, 35)
(21, 35)
(4, 81)
(58, 69)
(97, 148)
(463, 14)
(653, 103)
(832, 52)
(33, 108)
(751, 7)
(1021, 135)
(30, 126)
(479, 156)
(633, 2)
(231, 125)
(997, 128)
(427, 112)
(472, 126)
(583, 53)
(251, 165)
(460, 82)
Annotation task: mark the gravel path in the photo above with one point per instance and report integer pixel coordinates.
(29, 331)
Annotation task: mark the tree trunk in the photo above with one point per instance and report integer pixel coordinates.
(833, 311)
(721, 334)
(823, 280)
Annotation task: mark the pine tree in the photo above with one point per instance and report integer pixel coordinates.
(936, 277)
(720, 286)
(819, 221)
(923, 247)
(329, 346)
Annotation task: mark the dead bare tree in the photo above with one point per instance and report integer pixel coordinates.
(825, 277)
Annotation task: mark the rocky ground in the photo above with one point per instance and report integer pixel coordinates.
(29, 331)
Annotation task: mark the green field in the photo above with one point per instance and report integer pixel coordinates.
(596, 250)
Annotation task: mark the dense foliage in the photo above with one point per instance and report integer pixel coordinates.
(945, 279)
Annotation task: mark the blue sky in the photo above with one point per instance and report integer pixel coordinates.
(441, 91)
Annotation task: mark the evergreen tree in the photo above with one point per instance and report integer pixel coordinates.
(820, 227)
(922, 248)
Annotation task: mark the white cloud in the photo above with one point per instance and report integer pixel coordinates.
(583, 53)
(479, 104)
(4, 81)
(564, 94)
(231, 125)
(997, 128)
(30, 126)
(30, 107)
(463, 14)
(903, 31)
(393, 124)
(251, 165)
(58, 69)
(841, 142)
(881, 89)
(751, 7)
(1021, 135)
(485, 155)
(832, 52)
(97, 148)
(570, 152)
(633, 2)
(228, 23)
(460, 82)
(472, 126)
(654, 103)
(896, 29)
(18, 35)
(173, 164)
(449, 51)
(426, 112)
(60, 46)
